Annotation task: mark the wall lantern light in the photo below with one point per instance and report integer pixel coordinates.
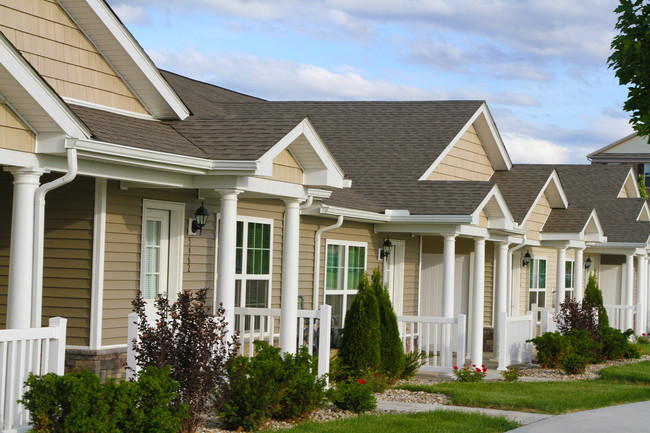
(385, 249)
(588, 263)
(200, 218)
(526, 261)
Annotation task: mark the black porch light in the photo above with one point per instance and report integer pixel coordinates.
(385, 249)
(526, 260)
(588, 263)
(200, 219)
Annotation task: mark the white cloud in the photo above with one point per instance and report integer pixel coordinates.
(132, 14)
(529, 150)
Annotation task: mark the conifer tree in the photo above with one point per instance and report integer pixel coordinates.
(359, 350)
(594, 298)
(390, 344)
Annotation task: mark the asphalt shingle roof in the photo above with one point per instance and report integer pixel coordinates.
(521, 185)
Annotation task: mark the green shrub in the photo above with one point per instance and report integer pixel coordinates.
(574, 363)
(642, 339)
(353, 395)
(616, 344)
(192, 342)
(511, 374)
(269, 385)
(359, 350)
(551, 348)
(582, 344)
(412, 363)
(470, 374)
(80, 402)
(391, 351)
(593, 298)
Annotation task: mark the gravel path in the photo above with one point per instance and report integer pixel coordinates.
(331, 413)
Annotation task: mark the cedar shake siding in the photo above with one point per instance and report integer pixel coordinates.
(467, 160)
(61, 53)
(67, 256)
(286, 168)
(14, 134)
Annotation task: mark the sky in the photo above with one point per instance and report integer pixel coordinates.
(541, 66)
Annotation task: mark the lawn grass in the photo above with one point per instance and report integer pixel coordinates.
(541, 397)
(630, 373)
(433, 422)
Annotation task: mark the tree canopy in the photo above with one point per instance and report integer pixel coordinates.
(630, 60)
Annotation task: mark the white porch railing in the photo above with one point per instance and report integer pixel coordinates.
(514, 333)
(623, 317)
(23, 351)
(435, 336)
(263, 324)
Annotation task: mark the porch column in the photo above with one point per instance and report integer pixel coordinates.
(641, 292)
(448, 272)
(629, 289)
(501, 292)
(560, 278)
(227, 253)
(478, 302)
(647, 299)
(290, 248)
(19, 293)
(579, 269)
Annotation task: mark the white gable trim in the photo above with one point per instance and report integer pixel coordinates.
(644, 213)
(630, 186)
(326, 172)
(597, 153)
(100, 24)
(40, 92)
(556, 197)
(490, 139)
(496, 209)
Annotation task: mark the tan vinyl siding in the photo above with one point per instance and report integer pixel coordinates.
(14, 134)
(122, 252)
(358, 232)
(483, 219)
(61, 53)
(467, 160)
(537, 218)
(286, 168)
(623, 193)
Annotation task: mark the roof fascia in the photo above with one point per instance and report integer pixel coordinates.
(39, 91)
(506, 222)
(492, 140)
(331, 175)
(560, 198)
(609, 146)
(133, 52)
(630, 183)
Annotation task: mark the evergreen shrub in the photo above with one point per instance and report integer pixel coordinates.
(574, 364)
(390, 345)
(353, 395)
(594, 297)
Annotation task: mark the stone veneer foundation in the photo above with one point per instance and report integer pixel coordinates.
(105, 363)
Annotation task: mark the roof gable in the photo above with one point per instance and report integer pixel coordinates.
(489, 137)
(629, 144)
(629, 189)
(467, 160)
(100, 24)
(553, 193)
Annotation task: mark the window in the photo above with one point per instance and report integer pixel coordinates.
(646, 174)
(344, 268)
(537, 291)
(569, 279)
(253, 265)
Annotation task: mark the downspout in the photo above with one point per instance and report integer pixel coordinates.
(39, 229)
(319, 233)
(509, 284)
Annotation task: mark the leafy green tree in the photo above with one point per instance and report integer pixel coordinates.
(359, 350)
(630, 60)
(390, 344)
(594, 298)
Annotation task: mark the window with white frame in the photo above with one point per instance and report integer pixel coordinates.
(537, 286)
(253, 262)
(344, 267)
(646, 174)
(569, 279)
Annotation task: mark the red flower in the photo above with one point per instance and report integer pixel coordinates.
(455, 367)
(639, 348)
(361, 381)
(474, 365)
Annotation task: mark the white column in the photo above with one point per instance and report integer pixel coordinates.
(640, 292)
(448, 272)
(227, 253)
(560, 275)
(290, 249)
(647, 298)
(501, 291)
(629, 289)
(579, 269)
(478, 301)
(19, 294)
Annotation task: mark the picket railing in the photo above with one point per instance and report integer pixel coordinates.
(623, 317)
(263, 324)
(24, 351)
(436, 337)
(514, 332)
